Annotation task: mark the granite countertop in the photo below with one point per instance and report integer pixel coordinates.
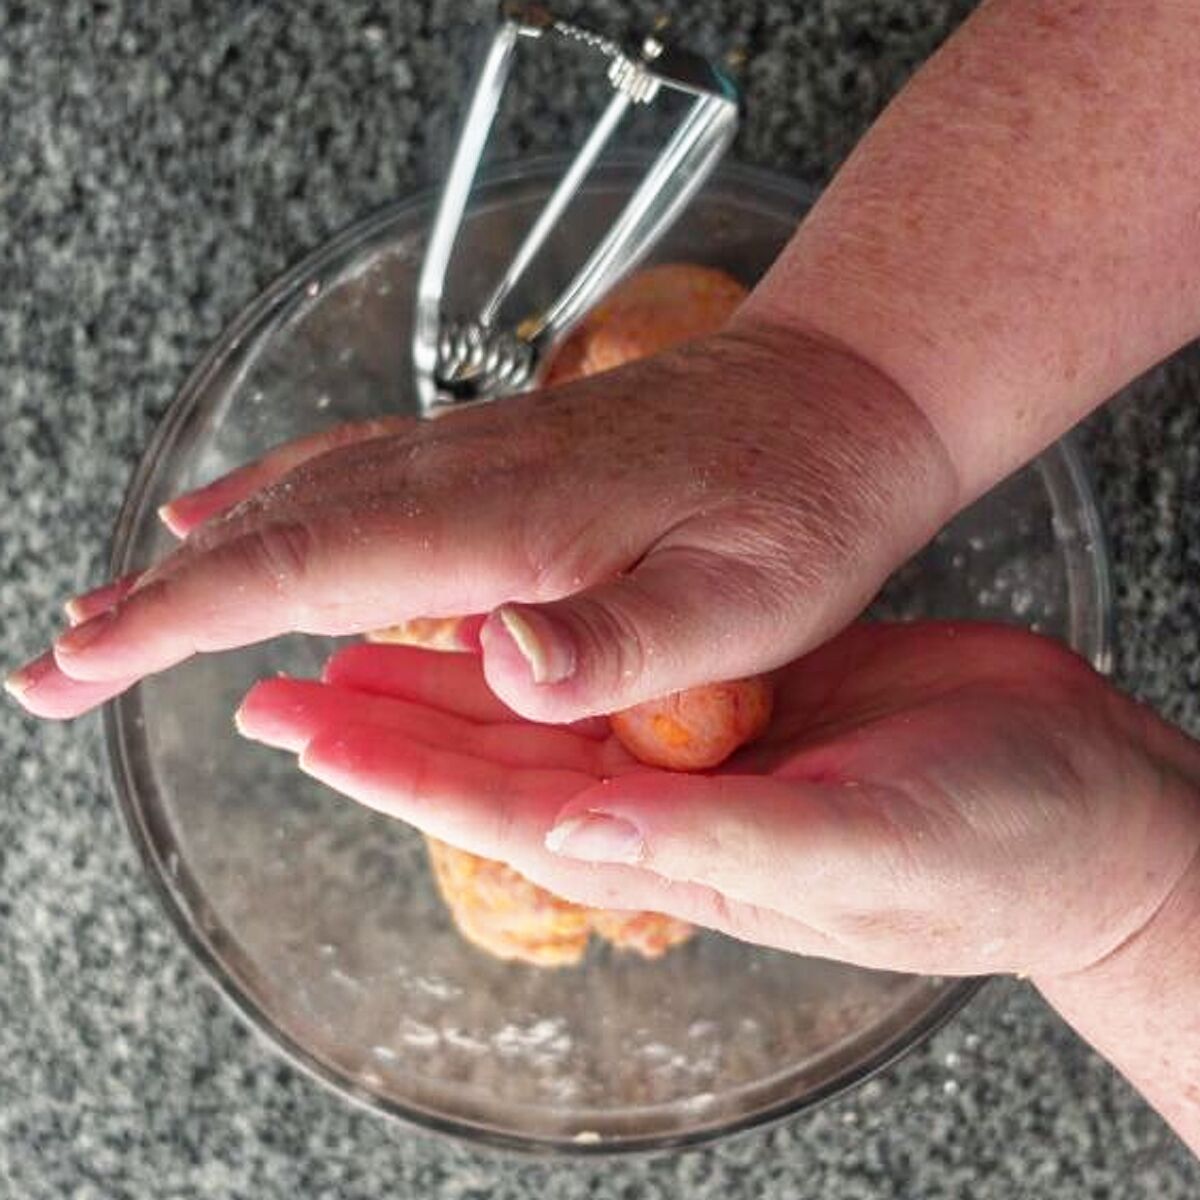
(159, 163)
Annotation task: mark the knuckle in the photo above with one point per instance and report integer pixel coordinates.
(158, 593)
(892, 929)
(505, 831)
(419, 784)
(280, 554)
(716, 910)
(761, 556)
(353, 432)
(554, 562)
(614, 648)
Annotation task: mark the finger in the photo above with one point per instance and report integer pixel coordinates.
(453, 683)
(756, 840)
(456, 797)
(89, 604)
(289, 713)
(679, 619)
(303, 573)
(190, 510)
(503, 815)
(42, 689)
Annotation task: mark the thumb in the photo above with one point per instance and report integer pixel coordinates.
(842, 866)
(681, 618)
(775, 843)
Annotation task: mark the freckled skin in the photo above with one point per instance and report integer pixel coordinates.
(494, 907)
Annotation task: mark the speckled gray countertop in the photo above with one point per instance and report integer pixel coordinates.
(159, 163)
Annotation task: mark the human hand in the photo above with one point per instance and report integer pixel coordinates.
(942, 798)
(706, 514)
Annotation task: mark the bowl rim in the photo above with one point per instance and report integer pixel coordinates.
(955, 993)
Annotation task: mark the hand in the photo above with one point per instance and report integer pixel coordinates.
(707, 514)
(941, 798)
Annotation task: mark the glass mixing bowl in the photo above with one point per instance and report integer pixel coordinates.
(320, 920)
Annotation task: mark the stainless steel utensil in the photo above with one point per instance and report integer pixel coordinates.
(462, 356)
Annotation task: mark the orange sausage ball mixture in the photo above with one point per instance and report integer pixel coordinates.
(652, 311)
(696, 729)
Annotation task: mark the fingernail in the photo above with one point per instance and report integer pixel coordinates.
(82, 636)
(167, 515)
(547, 650)
(24, 679)
(596, 837)
(88, 604)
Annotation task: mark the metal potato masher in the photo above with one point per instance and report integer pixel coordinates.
(461, 357)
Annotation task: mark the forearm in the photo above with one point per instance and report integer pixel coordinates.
(1140, 1005)
(1017, 236)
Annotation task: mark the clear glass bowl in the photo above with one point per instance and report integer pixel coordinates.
(319, 919)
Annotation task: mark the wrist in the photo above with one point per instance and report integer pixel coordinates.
(851, 410)
(1143, 959)
(1136, 1004)
(1162, 772)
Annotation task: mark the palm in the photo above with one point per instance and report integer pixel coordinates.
(916, 773)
